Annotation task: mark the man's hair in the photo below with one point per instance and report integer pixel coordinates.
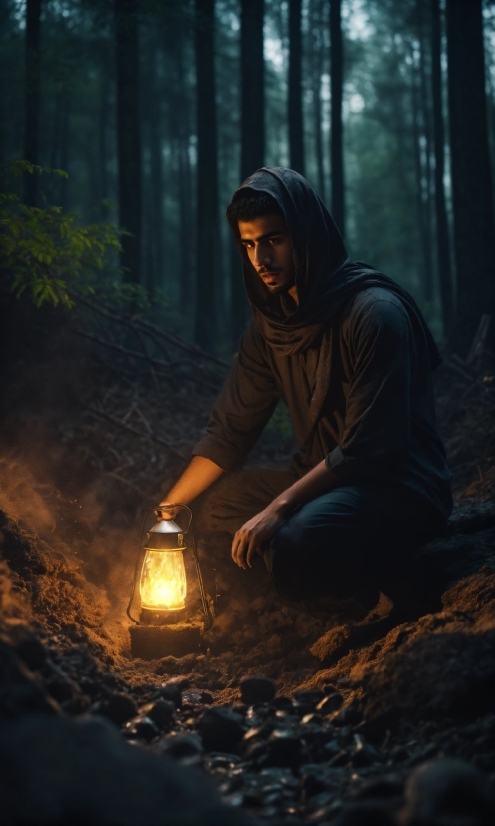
(250, 206)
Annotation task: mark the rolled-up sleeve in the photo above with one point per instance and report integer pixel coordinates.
(377, 432)
(243, 408)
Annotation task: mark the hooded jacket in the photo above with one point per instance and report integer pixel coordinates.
(352, 362)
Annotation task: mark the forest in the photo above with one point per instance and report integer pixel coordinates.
(125, 128)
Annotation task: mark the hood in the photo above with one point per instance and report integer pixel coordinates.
(326, 278)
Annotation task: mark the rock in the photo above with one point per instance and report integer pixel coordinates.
(172, 692)
(330, 703)
(55, 770)
(257, 690)
(388, 786)
(119, 707)
(31, 650)
(364, 814)
(309, 696)
(350, 715)
(20, 690)
(284, 749)
(61, 689)
(161, 712)
(281, 703)
(220, 729)
(187, 749)
(141, 728)
(447, 789)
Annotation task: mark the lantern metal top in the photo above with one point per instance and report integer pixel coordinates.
(166, 535)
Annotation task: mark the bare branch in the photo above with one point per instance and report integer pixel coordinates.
(102, 414)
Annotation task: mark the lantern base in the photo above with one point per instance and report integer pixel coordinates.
(149, 616)
(152, 642)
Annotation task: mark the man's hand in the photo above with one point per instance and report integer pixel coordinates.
(248, 539)
(166, 512)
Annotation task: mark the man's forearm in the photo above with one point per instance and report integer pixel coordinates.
(318, 481)
(197, 477)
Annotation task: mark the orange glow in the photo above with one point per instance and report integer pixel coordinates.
(163, 581)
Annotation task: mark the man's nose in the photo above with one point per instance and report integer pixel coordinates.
(262, 256)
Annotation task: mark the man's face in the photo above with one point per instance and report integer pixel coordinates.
(269, 248)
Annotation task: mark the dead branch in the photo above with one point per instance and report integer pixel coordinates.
(102, 414)
(153, 362)
(149, 328)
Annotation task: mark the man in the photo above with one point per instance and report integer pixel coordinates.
(349, 353)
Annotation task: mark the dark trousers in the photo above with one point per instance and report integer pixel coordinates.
(334, 545)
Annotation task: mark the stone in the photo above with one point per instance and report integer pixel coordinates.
(448, 788)
(171, 691)
(257, 690)
(56, 770)
(161, 712)
(186, 749)
(220, 729)
(350, 715)
(285, 749)
(141, 728)
(31, 650)
(119, 707)
(330, 703)
(364, 814)
(61, 689)
(20, 690)
(281, 703)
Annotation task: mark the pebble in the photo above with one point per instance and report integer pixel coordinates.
(31, 650)
(330, 703)
(445, 788)
(187, 749)
(141, 728)
(119, 707)
(171, 691)
(220, 729)
(161, 712)
(257, 690)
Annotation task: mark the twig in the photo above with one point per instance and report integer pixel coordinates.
(102, 414)
(457, 369)
(120, 348)
(168, 368)
(149, 328)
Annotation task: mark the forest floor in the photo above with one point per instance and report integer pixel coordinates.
(336, 732)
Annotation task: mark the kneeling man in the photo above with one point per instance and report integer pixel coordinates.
(350, 354)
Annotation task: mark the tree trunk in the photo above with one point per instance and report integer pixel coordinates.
(418, 171)
(337, 81)
(295, 116)
(156, 218)
(207, 229)
(474, 231)
(252, 137)
(128, 136)
(426, 177)
(442, 234)
(316, 73)
(252, 87)
(32, 97)
(185, 179)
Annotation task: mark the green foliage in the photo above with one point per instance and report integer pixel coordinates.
(46, 251)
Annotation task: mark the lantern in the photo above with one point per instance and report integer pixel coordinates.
(161, 582)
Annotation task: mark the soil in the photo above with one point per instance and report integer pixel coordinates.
(75, 489)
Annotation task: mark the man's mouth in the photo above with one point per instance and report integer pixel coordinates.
(270, 277)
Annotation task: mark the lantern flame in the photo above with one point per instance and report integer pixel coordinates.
(163, 581)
